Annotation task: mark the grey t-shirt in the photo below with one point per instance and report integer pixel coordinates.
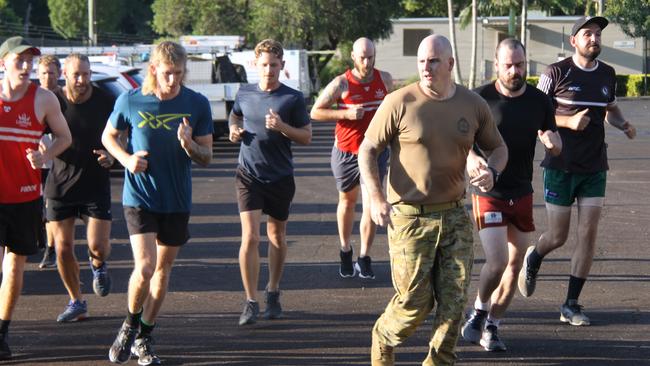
(266, 154)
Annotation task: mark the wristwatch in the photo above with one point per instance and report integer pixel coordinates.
(495, 174)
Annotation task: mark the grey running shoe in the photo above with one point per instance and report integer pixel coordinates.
(142, 348)
(346, 269)
(473, 327)
(527, 276)
(75, 310)
(250, 313)
(120, 351)
(490, 339)
(364, 267)
(5, 352)
(49, 258)
(571, 312)
(273, 307)
(101, 279)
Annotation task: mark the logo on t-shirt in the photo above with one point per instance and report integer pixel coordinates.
(7, 109)
(23, 120)
(161, 120)
(605, 91)
(462, 125)
(379, 94)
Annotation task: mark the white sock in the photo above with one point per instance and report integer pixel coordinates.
(485, 306)
(492, 321)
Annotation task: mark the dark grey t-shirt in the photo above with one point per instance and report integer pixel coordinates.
(266, 154)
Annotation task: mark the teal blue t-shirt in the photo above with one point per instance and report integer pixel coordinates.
(166, 185)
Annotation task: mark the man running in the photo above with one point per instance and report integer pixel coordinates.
(79, 187)
(583, 90)
(504, 215)
(357, 93)
(430, 126)
(169, 126)
(49, 71)
(25, 111)
(266, 118)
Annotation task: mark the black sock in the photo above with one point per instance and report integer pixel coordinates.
(4, 328)
(133, 320)
(534, 259)
(145, 329)
(575, 288)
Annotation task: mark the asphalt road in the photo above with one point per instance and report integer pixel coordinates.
(327, 319)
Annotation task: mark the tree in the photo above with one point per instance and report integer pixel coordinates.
(69, 18)
(472, 65)
(452, 39)
(424, 8)
(178, 17)
(7, 14)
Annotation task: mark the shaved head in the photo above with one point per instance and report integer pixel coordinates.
(363, 56)
(440, 46)
(435, 62)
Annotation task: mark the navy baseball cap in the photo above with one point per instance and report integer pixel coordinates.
(583, 21)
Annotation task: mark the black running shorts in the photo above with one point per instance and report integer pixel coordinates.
(20, 226)
(274, 199)
(172, 228)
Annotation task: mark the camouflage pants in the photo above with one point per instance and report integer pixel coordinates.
(431, 259)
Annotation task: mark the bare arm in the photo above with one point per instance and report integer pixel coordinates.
(481, 175)
(235, 127)
(198, 148)
(576, 122)
(53, 117)
(615, 118)
(300, 135)
(388, 81)
(322, 109)
(551, 140)
(379, 206)
(111, 140)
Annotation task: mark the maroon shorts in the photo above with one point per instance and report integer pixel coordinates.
(493, 212)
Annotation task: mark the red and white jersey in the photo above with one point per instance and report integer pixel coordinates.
(19, 130)
(349, 134)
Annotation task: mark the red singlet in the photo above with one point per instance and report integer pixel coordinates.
(19, 130)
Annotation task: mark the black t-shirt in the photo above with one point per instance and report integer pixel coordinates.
(76, 176)
(518, 120)
(572, 90)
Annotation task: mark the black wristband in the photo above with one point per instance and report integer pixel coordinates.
(495, 174)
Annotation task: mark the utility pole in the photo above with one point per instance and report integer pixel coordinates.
(92, 23)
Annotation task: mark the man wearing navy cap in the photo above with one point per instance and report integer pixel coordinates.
(583, 90)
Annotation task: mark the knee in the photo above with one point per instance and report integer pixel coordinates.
(64, 248)
(496, 266)
(145, 272)
(250, 240)
(556, 239)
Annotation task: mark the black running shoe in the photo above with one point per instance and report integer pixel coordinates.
(120, 351)
(142, 348)
(346, 269)
(364, 267)
(527, 276)
(250, 313)
(490, 339)
(473, 327)
(5, 352)
(273, 307)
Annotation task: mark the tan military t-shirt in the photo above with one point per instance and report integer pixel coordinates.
(429, 142)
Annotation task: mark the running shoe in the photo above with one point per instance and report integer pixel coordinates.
(5, 352)
(75, 310)
(120, 351)
(473, 327)
(273, 307)
(250, 313)
(571, 312)
(49, 258)
(143, 349)
(527, 276)
(346, 269)
(364, 267)
(490, 339)
(101, 279)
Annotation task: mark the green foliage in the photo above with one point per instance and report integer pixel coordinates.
(424, 8)
(69, 18)
(337, 65)
(630, 85)
(179, 17)
(633, 16)
(532, 80)
(7, 14)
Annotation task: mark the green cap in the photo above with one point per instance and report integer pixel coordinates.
(17, 45)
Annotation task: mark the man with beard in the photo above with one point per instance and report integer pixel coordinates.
(357, 93)
(504, 215)
(49, 71)
(79, 187)
(25, 112)
(583, 90)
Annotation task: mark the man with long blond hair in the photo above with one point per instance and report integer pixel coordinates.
(266, 118)
(170, 126)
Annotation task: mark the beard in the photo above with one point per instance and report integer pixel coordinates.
(76, 93)
(589, 53)
(513, 83)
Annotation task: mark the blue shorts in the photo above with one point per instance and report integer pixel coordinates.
(345, 168)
